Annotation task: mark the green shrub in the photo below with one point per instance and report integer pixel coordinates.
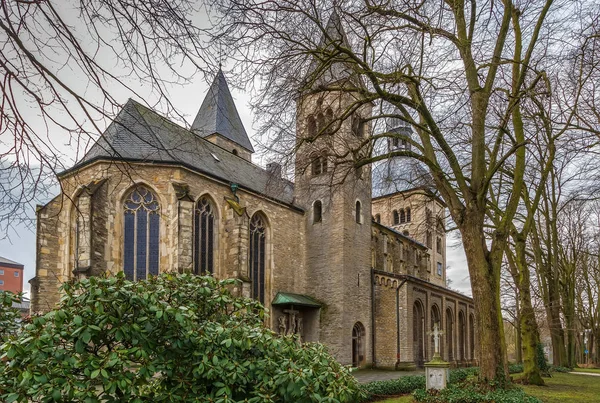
(470, 394)
(172, 338)
(560, 369)
(401, 386)
(461, 374)
(9, 316)
(515, 368)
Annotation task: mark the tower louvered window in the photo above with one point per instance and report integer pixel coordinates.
(141, 240)
(257, 262)
(204, 236)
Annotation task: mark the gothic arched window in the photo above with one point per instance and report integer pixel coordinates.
(396, 217)
(316, 165)
(408, 214)
(358, 212)
(257, 263)
(317, 211)
(378, 218)
(141, 238)
(204, 236)
(402, 216)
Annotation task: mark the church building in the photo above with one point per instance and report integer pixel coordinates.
(348, 256)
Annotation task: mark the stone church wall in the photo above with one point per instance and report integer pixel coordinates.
(285, 240)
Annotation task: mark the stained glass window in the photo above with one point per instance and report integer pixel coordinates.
(257, 257)
(204, 236)
(141, 240)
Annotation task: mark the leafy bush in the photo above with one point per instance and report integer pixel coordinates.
(560, 369)
(172, 338)
(471, 394)
(9, 316)
(515, 368)
(400, 386)
(461, 374)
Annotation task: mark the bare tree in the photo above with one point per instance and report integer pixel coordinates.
(62, 63)
(455, 71)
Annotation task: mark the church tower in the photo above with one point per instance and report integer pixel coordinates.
(337, 198)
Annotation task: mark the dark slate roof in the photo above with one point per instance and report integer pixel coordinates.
(4, 260)
(141, 135)
(219, 115)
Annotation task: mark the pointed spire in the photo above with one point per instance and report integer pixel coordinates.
(328, 72)
(218, 115)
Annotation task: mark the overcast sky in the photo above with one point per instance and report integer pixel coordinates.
(19, 245)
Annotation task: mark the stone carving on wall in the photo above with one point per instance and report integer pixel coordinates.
(291, 323)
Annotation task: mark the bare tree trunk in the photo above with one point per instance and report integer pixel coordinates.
(519, 338)
(530, 335)
(483, 268)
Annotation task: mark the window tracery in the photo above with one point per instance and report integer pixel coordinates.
(141, 234)
(257, 264)
(204, 236)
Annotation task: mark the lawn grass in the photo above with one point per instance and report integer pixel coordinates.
(592, 370)
(563, 388)
(401, 399)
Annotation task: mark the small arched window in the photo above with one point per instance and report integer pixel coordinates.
(329, 119)
(438, 245)
(320, 122)
(234, 151)
(204, 236)
(311, 126)
(316, 164)
(396, 217)
(141, 234)
(408, 214)
(324, 162)
(378, 218)
(358, 212)
(257, 256)
(402, 216)
(317, 211)
(358, 126)
(429, 239)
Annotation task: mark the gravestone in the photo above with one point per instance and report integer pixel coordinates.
(437, 370)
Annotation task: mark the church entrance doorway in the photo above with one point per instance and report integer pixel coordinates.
(358, 344)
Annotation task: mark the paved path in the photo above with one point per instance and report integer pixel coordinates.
(585, 373)
(370, 375)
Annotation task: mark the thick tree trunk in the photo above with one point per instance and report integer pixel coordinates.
(529, 326)
(557, 332)
(519, 338)
(485, 284)
(530, 335)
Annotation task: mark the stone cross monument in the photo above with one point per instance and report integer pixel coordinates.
(436, 371)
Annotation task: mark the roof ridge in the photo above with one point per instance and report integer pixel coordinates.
(8, 261)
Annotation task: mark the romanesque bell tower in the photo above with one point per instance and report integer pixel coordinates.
(336, 194)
